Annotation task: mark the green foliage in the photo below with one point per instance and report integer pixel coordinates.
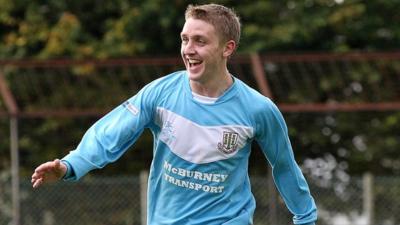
(361, 141)
(84, 29)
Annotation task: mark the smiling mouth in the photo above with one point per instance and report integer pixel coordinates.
(194, 62)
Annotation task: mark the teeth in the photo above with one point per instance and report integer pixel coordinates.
(193, 61)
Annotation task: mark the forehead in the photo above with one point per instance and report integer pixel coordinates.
(196, 27)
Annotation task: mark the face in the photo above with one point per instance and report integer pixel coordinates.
(202, 51)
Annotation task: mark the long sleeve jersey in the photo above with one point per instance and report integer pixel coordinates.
(199, 172)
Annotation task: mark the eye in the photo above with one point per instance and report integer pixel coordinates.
(184, 40)
(201, 41)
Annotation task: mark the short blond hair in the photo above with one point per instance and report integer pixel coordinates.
(224, 20)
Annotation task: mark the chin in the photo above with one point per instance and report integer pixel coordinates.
(194, 76)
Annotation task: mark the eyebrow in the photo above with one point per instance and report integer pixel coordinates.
(196, 36)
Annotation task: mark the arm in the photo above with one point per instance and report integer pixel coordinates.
(106, 141)
(273, 138)
(110, 137)
(103, 143)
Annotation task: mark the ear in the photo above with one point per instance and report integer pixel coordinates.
(229, 48)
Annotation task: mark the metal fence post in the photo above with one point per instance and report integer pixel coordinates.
(144, 176)
(368, 197)
(15, 170)
(13, 110)
(273, 201)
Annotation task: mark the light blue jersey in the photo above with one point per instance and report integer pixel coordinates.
(199, 172)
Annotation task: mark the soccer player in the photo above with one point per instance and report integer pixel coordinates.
(204, 121)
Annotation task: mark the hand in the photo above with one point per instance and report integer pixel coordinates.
(48, 172)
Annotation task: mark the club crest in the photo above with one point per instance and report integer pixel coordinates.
(229, 142)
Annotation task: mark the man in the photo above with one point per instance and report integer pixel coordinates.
(203, 121)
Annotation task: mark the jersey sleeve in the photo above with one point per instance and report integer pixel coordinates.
(272, 136)
(112, 135)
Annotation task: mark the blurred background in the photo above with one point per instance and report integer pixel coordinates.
(331, 66)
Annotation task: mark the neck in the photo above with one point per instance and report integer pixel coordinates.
(212, 88)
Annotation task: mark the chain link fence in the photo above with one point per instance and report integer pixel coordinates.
(117, 201)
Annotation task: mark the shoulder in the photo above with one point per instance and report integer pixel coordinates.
(253, 99)
(261, 109)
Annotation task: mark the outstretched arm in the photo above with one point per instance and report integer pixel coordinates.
(104, 142)
(48, 172)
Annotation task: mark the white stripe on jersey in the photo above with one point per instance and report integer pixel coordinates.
(201, 144)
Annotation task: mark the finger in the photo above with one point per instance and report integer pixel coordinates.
(57, 164)
(37, 183)
(36, 176)
(44, 167)
(33, 180)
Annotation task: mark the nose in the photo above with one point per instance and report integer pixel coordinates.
(188, 48)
